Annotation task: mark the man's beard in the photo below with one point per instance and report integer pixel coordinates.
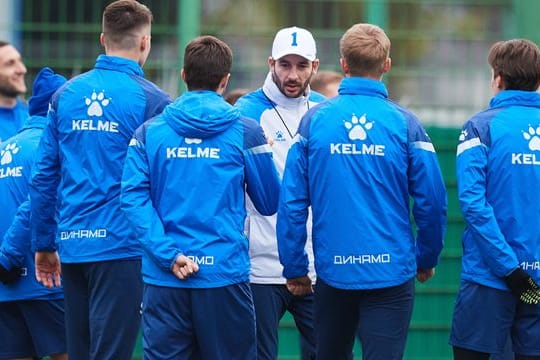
(281, 86)
(8, 90)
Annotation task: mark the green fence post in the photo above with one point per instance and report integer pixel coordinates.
(377, 12)
(189, 26)
(526, 19)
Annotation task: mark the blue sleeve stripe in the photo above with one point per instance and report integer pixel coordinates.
(469, 144)
(424, 145)
(261, 149)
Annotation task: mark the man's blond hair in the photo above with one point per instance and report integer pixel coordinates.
(365, 48)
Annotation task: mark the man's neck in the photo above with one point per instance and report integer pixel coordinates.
(125, 54)
(8, 102)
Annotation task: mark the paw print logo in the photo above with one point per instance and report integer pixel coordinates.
(279, 136)
(193, 141)
(96, 102)
(6, 155)
(463, 135)
(357, 127)
(533, 137)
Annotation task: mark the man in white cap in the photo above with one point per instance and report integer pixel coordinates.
(278, 106)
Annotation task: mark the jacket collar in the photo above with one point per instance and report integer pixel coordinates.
(362, 86)
(116, 63)
(515, 97)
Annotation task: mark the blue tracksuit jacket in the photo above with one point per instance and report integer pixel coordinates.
(12, 119)
(358, 159)
(183, 189)
(16, 163)
(498, 174)
(81, 155)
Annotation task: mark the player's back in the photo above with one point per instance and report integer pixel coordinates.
(93, 119)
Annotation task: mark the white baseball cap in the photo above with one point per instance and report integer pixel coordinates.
(294, 40)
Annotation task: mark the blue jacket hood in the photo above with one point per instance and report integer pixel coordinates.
(45, 84)
(200, 114)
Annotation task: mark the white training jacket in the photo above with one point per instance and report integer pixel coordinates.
(279, 117)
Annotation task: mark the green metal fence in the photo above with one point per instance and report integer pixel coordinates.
(438, 46)
(439, 50)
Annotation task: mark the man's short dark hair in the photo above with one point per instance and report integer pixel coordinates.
(122, 21)
(4, 43)
(207, 60)
(517, 61)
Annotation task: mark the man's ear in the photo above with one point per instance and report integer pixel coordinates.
(387, 65)
(498, 82)
(344, 66)
(183, 75)
(315, 65)
(271, 63)
(145, 42)
(223, 84)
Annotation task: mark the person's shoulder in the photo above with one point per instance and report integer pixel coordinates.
(316, 96)
(252, 99)
(153, 126)
(25, 137)
(403, 110)
(84, 79)
(23, 143)
(253, 104)
(249, 123)
(149, 86)
(321, 109)
(484, 117)
(253, 134)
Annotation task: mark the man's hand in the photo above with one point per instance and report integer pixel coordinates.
(424, 275)
(184, 267)
(48, 270)
(9, 276)
(300, 286)
(523, 286)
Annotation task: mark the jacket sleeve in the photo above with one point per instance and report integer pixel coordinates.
(136, 202)
(44, 187)
(426, 187)
(293, 212)
(471, 167)
(262, 178)
(16, 241)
